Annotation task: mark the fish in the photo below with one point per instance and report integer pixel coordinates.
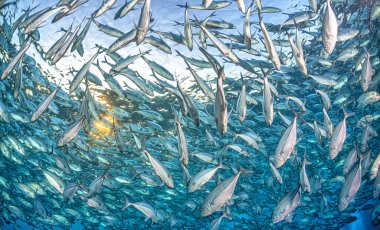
(298, 55)
(287, 205)
(127, 7)
(71, 132)
(247, 27)
(78, 39)
(286, 144)
(143, 25)
(220, 105)
(78, 78)
(144, 208)
(241, 106)
(338, 137)
(329, 29)
(201, 178)
(36, 22)
(54, 48)
(107, 4)
(350, 187)
(271, 49)
(44, 105)
(366, 73)
(188, 32)
(182, 144)
(64, 47)
(142, 129)
(215, 5)
(201, 83)
(16, 59)
(160, 170)
(304, 179)
(219, 44)
(221, 194)
(267, 103)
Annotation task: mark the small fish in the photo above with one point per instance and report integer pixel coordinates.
(241, 106)
(267, 103)
(44, 105)
(187, 31)
(71, 132)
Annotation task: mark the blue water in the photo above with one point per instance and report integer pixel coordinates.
(251, 192)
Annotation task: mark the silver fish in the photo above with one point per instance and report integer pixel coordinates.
(16, 59)
(338, 137)
(220, 105)
(143, 25)
(329, 29)
(350, 187)
(287, 205)
(286, 144)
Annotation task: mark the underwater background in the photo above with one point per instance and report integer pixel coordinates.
(180, 131)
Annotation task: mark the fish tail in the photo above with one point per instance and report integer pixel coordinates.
(126, 203)
(243, 170)
(347, 115)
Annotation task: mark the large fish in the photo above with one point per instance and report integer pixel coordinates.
(329, 29)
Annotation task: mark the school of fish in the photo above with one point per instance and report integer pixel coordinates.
(289, 140)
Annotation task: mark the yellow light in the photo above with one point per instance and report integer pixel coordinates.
(102, 127)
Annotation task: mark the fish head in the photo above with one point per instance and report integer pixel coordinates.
(277, 217)
(206, 210)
